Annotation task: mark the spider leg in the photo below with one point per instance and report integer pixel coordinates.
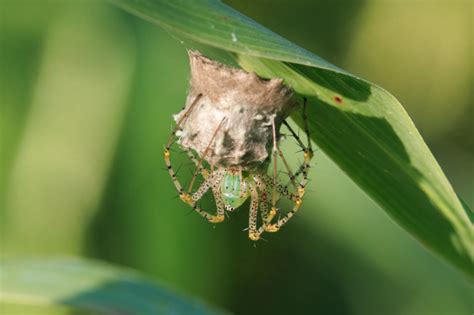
(267, 226)
(275, 162)
(209, 181)
(306, 128)
(277, 149)
(307, 149)
(275, 185)
(262, 190)
(276, 226)
(171, 139)
(254, 234)
(204, 171)
(280, 189)
(212, 181)
(219, 203)
(206, 151)
(297, 199)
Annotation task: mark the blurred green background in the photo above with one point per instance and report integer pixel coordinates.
(87, 95)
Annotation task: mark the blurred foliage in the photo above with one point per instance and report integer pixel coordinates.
(86, 287)
(367, 133)
(87, 94)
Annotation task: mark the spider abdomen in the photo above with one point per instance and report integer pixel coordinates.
(234, 189)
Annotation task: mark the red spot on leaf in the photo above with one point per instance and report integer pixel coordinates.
(338, 99)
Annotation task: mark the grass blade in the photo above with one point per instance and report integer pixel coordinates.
(88, 287)
(360, 126)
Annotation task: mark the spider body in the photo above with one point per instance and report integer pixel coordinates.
(233, 185)
(230, 129)
(234, 188)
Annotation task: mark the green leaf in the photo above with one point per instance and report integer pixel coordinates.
(55, 286)
(359, 125)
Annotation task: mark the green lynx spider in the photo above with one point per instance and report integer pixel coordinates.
(232, 186)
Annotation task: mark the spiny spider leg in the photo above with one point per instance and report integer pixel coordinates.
(306, 128)
(290, 173)
(254, 235)
(212, 182)
(171, 138)
(204, 171)
(277, 150)
(219, 202)
(262, 190)
(206, 151)
(267, 226)
(281, 189)
(308, 154)
(307, 150)
(187, 198)
(275, 162)
(276, 226)
(293, 133)
(280, 153)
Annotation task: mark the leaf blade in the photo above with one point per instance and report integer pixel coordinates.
(88, 286)
(359, 125)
